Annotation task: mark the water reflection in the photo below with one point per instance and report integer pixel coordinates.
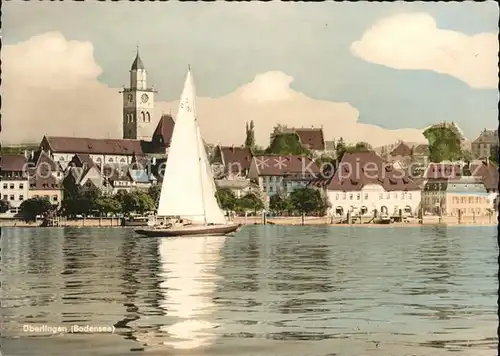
(320, 289)
(188, 266)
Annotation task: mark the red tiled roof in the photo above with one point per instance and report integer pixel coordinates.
(13, 163)
(488, 172)
(40, 172)
(274, 165)
(93, 145)
(401, 150)
(236, 158)
(312, 138)
(358, 169)
(164, 130)
(443, 171)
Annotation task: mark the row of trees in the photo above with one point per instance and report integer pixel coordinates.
(91, 202)
(304, 200)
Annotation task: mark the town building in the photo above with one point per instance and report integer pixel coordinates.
(439, 175)
(466, 194)
(45, 178)
(231, 162)
(142, 134)
(138, 104)
(365, 184)
(311, 139)
(14, 180)
(486, 144)
(282, 174)
(239, 187)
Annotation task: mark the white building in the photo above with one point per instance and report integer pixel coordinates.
(365, 184)
(14, 183)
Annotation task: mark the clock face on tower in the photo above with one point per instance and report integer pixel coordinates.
(144, 98)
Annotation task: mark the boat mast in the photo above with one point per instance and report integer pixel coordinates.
(199, 155)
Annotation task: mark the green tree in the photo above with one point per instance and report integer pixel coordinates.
(444, 144)
(4, 206)
(108, 205)
(280, 204)
(226, 198)
(360, 147)
(135, 201)
(250, 135)
(286, 144)
(340, 149)
(154, 192)
(249, 202)
(33, 207)
(308, 200)
(79, 200)
(467, 155)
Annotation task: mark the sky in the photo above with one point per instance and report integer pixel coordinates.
(373, 72)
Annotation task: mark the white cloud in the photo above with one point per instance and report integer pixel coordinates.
(50, 87)
(413, 41)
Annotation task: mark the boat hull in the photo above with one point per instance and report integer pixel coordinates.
(190, 230)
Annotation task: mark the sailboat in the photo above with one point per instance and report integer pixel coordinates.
(187, 196)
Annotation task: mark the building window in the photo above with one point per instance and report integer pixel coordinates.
(21, 186)
(5, 186)
(12, 197)
(344, 196)
(358, 196)
(54, 197)
(388, 195)
(11, 185)
(5, 197)
(366, 196)
(148, 117)
(409, 195)
(21, 197)
(122, 160)
(336, 196)
(110, 160)
(350, 196)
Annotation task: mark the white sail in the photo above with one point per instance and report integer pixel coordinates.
(188, 189)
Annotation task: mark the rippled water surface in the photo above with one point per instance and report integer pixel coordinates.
(268, 290)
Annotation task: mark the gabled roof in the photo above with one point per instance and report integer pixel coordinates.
(164, 130)
(488, 172)
(311, 138)
(443, 171)
(487, 136)
(235, 158)
(13, 163)
(274, 165)
(358, 169)
(59, 144)
(401, 150)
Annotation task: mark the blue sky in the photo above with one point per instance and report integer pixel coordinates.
(229, 44)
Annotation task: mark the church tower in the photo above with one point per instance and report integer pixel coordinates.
(138, 104)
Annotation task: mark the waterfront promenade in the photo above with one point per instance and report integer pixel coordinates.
(294, 220)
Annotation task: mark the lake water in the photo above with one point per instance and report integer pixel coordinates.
(268, 290)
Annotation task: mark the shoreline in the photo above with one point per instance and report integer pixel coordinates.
(281, 221)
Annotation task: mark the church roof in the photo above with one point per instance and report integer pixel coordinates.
(94, 146)
(137, 63)
(164, 130)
